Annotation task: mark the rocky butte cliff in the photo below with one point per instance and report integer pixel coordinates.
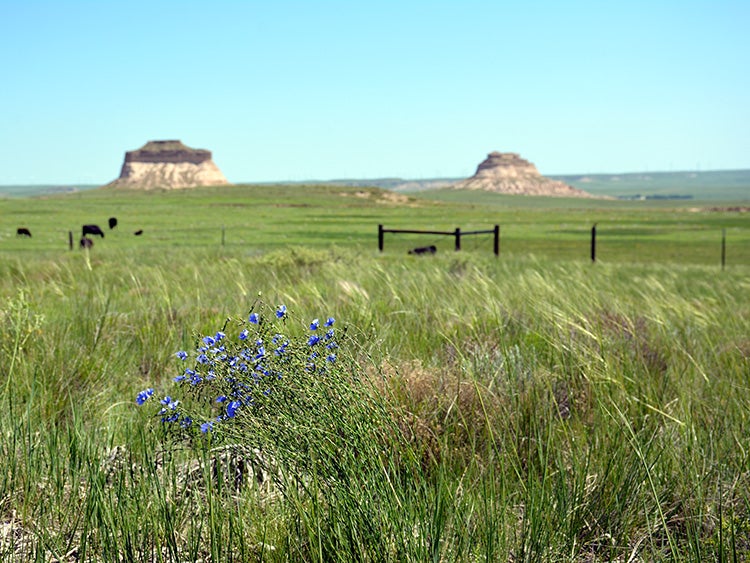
(508, 173)
(168, 165)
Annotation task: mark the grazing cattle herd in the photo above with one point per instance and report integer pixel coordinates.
(95, 230)
(87, 230)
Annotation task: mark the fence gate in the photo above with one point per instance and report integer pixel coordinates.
(457, 234)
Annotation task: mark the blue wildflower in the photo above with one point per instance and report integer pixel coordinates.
(281, 311)
(170, 405)
(243, 334)
(179, 379)
(182, 355)
(143, 396)
(313, 340)
(209, 340)
(232, 408)
(253, 318)
(207, 426)
(330, 321)
(331, 358)
(315, 324)
(186, 422)
(219, 336)
(330, 334)
(221, 398)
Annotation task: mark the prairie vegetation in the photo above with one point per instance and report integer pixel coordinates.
(255, 219)
(534, 407)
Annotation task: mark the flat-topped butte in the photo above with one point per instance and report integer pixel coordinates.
(168, 164)
(168, 151)
(508, 173)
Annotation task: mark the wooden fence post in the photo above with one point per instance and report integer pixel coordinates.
(458, 238)
(70, 240)
(496, 246)
(380, 238)
(593, 243)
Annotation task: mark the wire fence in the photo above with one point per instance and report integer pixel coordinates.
(615, 244)
(595, 243)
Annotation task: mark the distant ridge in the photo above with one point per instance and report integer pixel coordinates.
(720, 185)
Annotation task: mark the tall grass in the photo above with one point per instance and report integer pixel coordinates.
(540, 410)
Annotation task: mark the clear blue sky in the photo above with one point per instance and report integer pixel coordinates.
(321, 90)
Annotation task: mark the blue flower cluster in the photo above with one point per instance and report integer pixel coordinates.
(144, 396)
(234, 371)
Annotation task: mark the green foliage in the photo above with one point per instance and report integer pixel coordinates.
(514, 409)
(18, 325)
(260, 219)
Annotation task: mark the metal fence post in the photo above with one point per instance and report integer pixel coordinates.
(593, 243)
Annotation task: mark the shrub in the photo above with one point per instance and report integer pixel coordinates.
(295, 394)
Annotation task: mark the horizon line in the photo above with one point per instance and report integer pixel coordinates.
(422, 179)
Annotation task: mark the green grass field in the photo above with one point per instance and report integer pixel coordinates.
(258, 218)
(531, 407)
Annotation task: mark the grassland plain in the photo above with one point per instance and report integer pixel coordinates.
(547, 408)
(259, 218)
(726, 185)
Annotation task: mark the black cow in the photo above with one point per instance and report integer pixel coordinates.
(138, 233)
(86, 242)
(112, 222)
(92, 230)
(23, 232)
(424, 250)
